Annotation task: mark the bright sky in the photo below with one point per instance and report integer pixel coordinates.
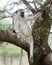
(51, 30)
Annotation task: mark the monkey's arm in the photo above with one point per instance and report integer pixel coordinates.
(34, 17)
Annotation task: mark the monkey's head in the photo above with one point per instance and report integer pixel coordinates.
(20, 13)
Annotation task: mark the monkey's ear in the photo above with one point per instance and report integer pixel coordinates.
(16, 12)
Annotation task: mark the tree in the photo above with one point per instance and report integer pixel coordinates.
(40, 32)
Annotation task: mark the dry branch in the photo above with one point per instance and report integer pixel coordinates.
(29, 6)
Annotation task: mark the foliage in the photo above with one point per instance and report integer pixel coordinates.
(9, 50)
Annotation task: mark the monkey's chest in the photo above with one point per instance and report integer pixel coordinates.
(24, 27)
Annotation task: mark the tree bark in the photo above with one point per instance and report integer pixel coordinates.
(41, 29)
(8, 36)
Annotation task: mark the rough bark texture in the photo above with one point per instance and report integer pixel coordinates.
(41, 29)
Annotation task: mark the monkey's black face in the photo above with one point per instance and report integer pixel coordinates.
(22, 14)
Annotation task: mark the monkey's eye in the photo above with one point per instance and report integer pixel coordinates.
(22, 14)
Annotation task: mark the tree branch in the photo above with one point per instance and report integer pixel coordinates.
(5, 36)
(29, 6)
(45, 4)
(33, 10)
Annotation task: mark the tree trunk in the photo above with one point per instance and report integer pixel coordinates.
(42, 51)
(42, 59)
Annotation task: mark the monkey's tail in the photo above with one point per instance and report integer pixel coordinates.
(21, 56)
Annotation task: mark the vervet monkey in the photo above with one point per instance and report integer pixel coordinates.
(22, 26)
